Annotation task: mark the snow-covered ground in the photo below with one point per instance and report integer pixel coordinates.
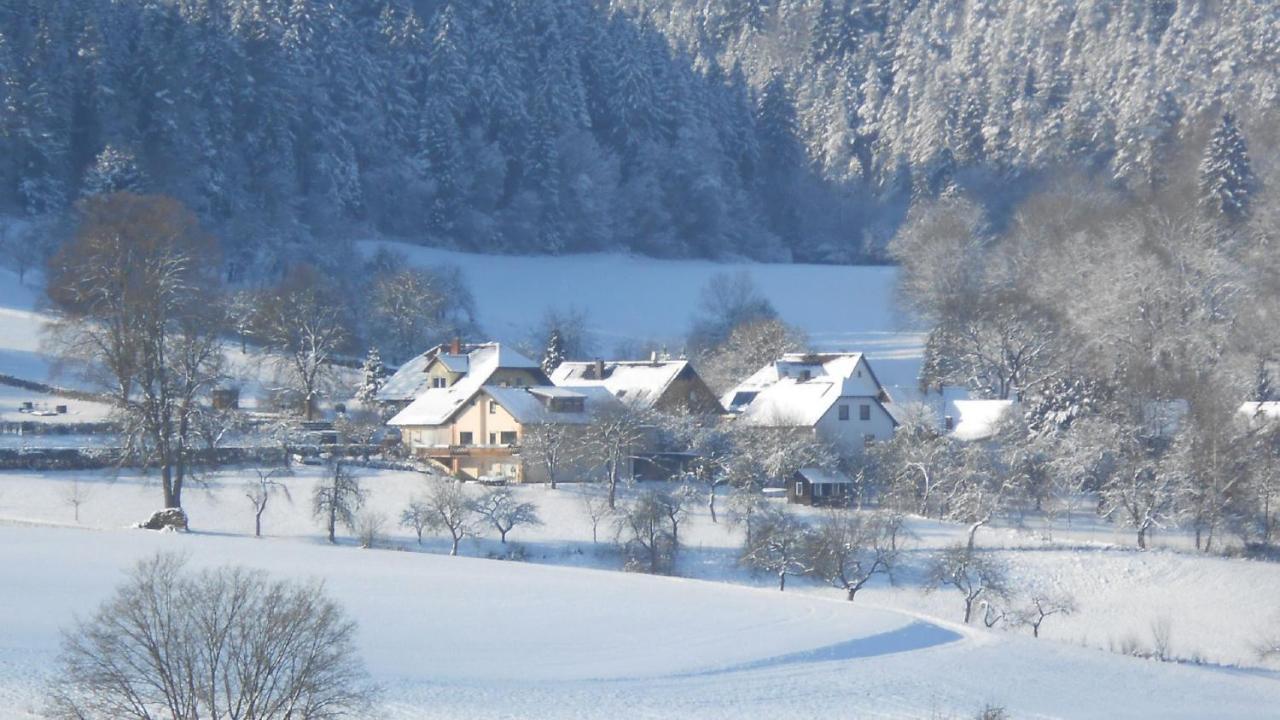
(565, 635)
(636, 299)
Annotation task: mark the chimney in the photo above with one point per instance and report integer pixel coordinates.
(653, 357)
(599, 369)
(455, 347)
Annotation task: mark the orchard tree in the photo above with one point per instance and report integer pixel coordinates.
(337, 498)
(500, 509)
(138, 300)
(450, 510)
(849, 548)
(975, 575)
(303, 323)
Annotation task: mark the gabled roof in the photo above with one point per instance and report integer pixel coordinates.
(818, 476)
(529, 405)
(638, 383)
(434, 406)
(410, 380)
(799, 388)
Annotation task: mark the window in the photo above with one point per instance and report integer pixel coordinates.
(508, 437)
(493, 439)
(844, 412)
(805, 375)
(464, 438)
(799, 487)
(437, 382)
(864, 412)
(493, 407)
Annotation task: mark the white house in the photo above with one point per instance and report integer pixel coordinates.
(655, 384)
(438, 370)
(835, 393)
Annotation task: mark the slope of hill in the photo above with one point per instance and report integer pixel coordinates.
(635, 300)
(459, 637)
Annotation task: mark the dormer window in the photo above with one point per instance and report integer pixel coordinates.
(439, 382)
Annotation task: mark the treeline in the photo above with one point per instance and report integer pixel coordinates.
(1135, 329)
(540, 126)
(779, 130)
(901, 99)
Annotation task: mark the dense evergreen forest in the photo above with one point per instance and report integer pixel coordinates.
(772, 129)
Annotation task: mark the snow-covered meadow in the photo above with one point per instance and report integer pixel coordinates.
(566, 635)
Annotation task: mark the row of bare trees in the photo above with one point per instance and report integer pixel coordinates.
(1134, 330)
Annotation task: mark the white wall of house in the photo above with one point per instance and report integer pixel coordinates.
(851, 435)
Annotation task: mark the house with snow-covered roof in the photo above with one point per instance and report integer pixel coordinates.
(834, 394)
(478, 435)
(458, 367)
(654, 384)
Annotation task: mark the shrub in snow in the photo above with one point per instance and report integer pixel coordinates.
(167, 519)
(222, 643)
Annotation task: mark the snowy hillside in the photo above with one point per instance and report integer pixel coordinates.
(565, 635)
(636, 299)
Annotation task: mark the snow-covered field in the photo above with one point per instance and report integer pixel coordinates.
(567, 636)
(637, 299)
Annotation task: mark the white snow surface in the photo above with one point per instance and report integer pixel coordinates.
(562, 637)
(636, 299)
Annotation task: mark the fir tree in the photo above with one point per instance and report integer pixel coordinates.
(373, 376)
(115, 170)
(1226, 175)
(554, 354)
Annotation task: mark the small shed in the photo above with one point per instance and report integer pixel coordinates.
(815, 486)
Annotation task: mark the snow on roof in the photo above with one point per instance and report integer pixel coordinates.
(410, 381)
(791, 402)
(797, 389)
(839, 367)
(818, 476)
(979, 419)
(455, 363)
(638, 383)
(553, 391)
(434, 406)
(530, 405)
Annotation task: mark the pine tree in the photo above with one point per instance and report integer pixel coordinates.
(373, 376)
(1226, 175)
(114, 170)
(554, 354)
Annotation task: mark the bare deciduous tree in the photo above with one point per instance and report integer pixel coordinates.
(974, 574)
(501, 510)
(849, 548)
(223, 643)
(613, 437)
(1043, 605)
(260, 490)
(416, 517)
(778, 544)
(138, 300)
(551, 446)
(303, 323)
(337, 498)
(642, 530)
(75, 496)
(449, 509)
(597, 508)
